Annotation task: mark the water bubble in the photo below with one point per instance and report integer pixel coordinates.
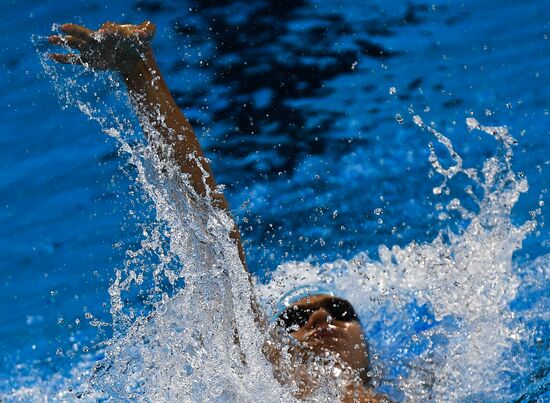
(378, 211)
(398, 118)
(393, 90)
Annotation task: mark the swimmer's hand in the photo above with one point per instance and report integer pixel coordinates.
(115, 47)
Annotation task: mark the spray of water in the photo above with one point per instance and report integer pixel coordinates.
(436, 314)
(196, 327)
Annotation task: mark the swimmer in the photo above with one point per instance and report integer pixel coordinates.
(310, 323)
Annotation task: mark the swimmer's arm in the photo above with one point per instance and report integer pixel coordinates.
(127, 50)
(159, 113)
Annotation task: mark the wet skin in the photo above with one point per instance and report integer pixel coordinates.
(324, 333)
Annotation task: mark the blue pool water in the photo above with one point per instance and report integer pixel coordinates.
(306, 109)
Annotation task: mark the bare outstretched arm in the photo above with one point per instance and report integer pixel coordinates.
(126, 49)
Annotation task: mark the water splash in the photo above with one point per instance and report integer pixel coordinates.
(194, 326)
(437, 315)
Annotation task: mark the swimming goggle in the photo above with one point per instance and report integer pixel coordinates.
(295, 316)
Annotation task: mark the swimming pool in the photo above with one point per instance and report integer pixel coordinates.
(306, 110)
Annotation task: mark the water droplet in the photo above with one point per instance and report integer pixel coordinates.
(472, 123)
(418, 120)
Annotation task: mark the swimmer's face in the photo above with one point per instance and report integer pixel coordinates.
(325, 323)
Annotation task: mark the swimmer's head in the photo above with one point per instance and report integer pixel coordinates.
(324, 322)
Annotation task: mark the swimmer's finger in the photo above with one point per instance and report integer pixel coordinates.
(76, 30)
(71, 58)
(146, 30)
(68, 40)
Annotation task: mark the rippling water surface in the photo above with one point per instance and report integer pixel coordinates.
(394, 151)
